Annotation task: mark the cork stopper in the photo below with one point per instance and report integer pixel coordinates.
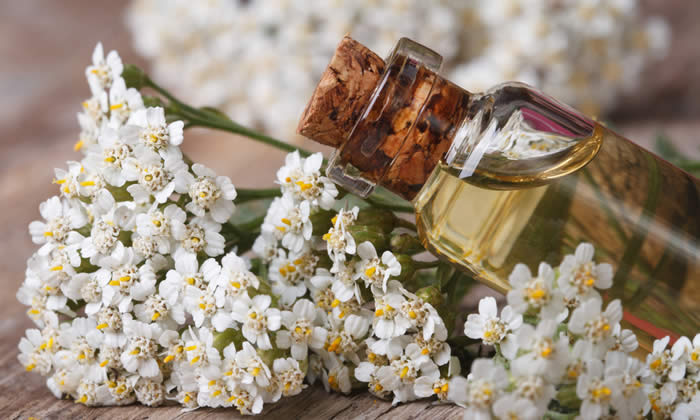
(342, 94)
(390, 122)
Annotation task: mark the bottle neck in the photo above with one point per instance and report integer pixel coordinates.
(511, 136)
(405, 129)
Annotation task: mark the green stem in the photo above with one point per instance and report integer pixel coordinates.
(245, 194)
(234, 128)
(421, 265)
(202, 118)
(402, 223)
(401, 208)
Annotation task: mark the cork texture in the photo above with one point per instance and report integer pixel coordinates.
(342, 93)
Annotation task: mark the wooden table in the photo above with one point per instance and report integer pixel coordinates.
(44, 47)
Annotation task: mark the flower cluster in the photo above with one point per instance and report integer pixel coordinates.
(556, 342)
(138, 294)
(135, 294)
(254, 55)
(350, 315)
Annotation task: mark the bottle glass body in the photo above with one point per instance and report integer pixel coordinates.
(527, 179)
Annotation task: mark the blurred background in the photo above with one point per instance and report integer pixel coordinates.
(632, 63)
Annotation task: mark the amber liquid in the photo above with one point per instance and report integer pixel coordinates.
(641, 214)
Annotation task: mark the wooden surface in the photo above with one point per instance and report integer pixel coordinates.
(44, 47)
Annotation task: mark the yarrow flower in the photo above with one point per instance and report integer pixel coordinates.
(492, 329)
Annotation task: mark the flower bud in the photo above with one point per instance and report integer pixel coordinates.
(226, 337)
(321, 220)
(363, 233)
(406, 244)
(152, 101)
(134, 76)
(269, 356)
(408, 268)
(379, 219)
(431, 295)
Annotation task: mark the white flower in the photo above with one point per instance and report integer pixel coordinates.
(247, 399)
(109, 155)
(388, 320)
(487, 326)
(346, 342)
(423, 316)
(536, 293)
(123, 281)
(155, 134)
(290, 273)
(257, 318)
(301, 178)
(579, 276)
(103, 71)
(338, 239)
(91, 121)
(624, 340)
(123, 102)
(512, 407)
(687, 410)
(141, 349)
(596, 389)
(64, 381)
(199, 235)
(535, 387)
(207, 191)
(61, 217)
(426, 387)
(212, 392)
(154, 226)
(187, 272)
(478, 393)
(596, 326)
(154, 177)
(290, 222)
(266, 246)
(234, 280)
(437, 350)
(149, 392)
(367, 372)
(372, 270)
(336, 376)
(253, 368)
(301, 333)
(683, 348)
(402, 372)
(36, 351)
(69, 181)
(201, 352)
(289, 375)
(661, 362)
(344, 284)
(201, 304)
(629, 375)
(547, 354)
(157, 309)
(109, 220)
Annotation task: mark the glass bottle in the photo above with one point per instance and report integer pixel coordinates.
(511, 175)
